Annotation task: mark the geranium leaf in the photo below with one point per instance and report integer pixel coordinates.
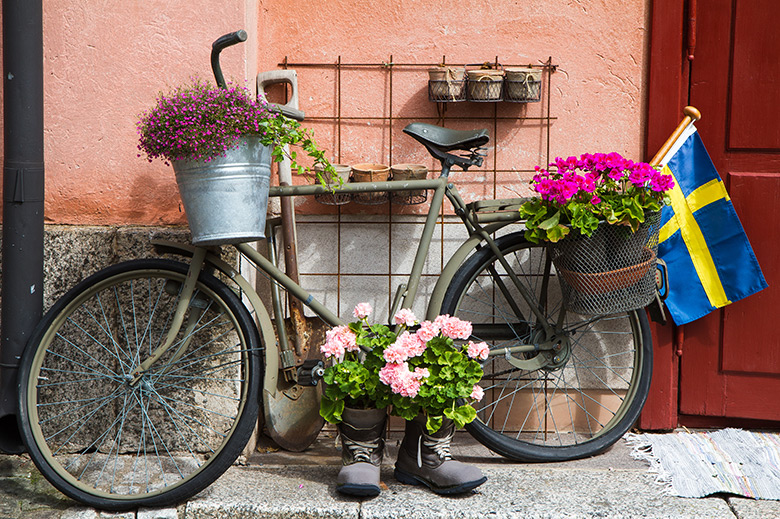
(331, 410)
(551, 222)
(557, 233)
(433, 423)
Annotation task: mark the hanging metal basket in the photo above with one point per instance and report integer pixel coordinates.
(343, 171)
(409, 172)
(226, 199)
(612, 271)
(370, 173)
(523, 85)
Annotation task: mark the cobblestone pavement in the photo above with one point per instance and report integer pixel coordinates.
(276, 484)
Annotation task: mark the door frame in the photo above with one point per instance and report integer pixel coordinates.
(667, 95)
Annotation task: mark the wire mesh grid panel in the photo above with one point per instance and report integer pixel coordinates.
(359, 114)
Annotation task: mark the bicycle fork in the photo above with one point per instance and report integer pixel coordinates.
(185, 300)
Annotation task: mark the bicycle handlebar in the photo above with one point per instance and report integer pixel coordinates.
(233, 38)
(221, 43)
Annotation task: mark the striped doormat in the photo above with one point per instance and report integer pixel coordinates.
(698, 464)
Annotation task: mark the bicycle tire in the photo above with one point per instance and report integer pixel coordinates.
(115, 445)
(574, 407)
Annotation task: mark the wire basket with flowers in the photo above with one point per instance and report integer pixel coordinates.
(601, 215)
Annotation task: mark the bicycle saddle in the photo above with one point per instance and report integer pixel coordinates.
(445, 139)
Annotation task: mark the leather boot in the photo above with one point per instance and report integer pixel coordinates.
(426, 459)
(362, 445)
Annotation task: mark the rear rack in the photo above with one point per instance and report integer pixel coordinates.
(502, 210)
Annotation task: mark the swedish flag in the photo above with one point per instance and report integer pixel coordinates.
(710, 260)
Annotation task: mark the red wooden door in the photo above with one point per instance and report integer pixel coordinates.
(730, 363)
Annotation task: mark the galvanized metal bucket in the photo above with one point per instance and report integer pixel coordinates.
(226, 198)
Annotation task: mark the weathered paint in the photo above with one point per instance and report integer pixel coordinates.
(104, 62)
(597, 91)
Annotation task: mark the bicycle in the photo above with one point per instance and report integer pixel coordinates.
(142, 384)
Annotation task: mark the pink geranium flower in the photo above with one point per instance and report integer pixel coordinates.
(362, 310)
(405, 347)
(427, 331)
(337, 341)
(405, 316)
(401, 380)
(478, 350)
(477, 393)
(332, 349)
(453, 327)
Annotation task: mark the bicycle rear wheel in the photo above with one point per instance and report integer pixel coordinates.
(114, 443)
(572, 405)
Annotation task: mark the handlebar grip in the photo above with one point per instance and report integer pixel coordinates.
(229, 39)
(220, 43)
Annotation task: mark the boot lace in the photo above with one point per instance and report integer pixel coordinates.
(440, 446)
(361, 450)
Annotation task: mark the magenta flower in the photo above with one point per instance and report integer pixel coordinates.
(578, 191)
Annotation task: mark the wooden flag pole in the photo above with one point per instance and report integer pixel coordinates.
(692, 114)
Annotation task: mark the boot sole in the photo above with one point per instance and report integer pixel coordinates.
(409, 479)
(359, 490)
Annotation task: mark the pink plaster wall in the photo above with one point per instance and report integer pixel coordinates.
(105, 61)
(596, 97)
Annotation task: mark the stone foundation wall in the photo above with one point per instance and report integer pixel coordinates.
(72, 253)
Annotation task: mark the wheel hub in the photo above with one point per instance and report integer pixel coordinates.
(561, 353)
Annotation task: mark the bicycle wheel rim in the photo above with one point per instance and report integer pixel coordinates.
(211, 419)
(572, 409)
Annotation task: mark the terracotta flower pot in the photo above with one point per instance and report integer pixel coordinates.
(370, 173)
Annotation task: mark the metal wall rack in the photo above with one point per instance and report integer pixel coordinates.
(490, 114)
(491, 111)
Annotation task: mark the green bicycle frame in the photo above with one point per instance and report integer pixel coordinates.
(480, 231)
(480, 227)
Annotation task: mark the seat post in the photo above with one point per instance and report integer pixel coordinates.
(446, 166)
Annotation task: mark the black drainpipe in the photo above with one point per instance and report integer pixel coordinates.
(22, 256)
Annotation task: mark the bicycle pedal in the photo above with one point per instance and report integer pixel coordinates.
(310, 372)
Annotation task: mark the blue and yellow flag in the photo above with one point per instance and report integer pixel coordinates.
(710, 260)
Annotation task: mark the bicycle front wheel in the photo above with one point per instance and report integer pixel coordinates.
(114, 441)
(578, 401)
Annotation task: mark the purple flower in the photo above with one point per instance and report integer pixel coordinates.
(201, 121)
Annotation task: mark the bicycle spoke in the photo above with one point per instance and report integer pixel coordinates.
(178, 424)
(582, 392)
